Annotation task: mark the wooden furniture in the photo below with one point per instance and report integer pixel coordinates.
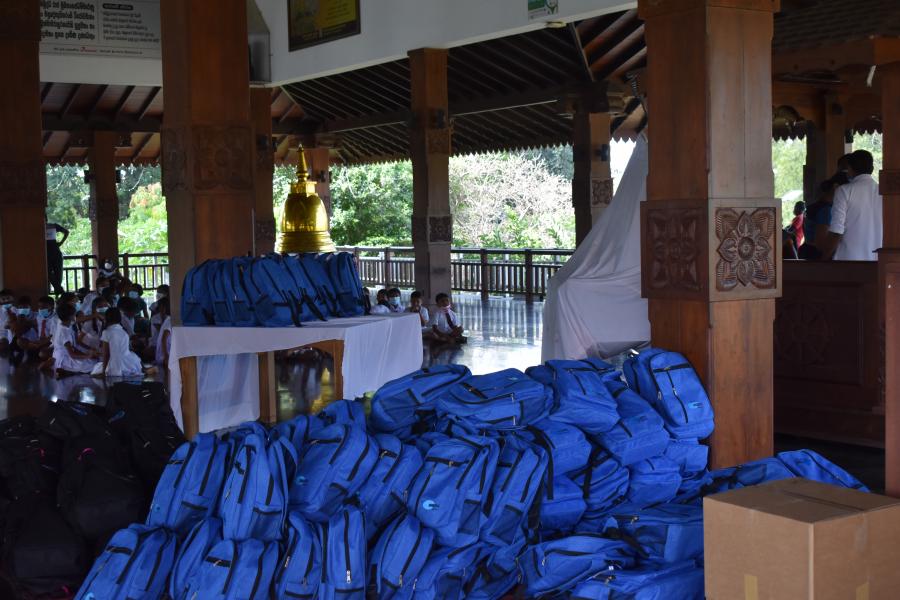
(268, 397)
(829, 353)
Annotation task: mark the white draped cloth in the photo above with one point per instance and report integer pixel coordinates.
(594, 305)
(377, 349)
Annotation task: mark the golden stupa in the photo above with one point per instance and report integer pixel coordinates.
(304, 223)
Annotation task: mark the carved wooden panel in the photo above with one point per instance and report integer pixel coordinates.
(440, 229)
(746, 248)
(674, 239)
(222, 157)
(174, 160)
(23, 183)
(264, 231)
(437, 141)
(652, 8)
(601, 192)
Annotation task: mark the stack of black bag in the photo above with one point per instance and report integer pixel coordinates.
(73, 476)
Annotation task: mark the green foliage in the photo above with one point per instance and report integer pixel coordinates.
(788, 158)
(872, 143)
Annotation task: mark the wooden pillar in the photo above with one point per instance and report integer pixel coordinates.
(430, 143)
(263, 172)
(208, 152)
(711, 244)
(318, 159)
(592, 186)
(889, 269)
(835, 131)
(23, 181)
(816, 170)
(104, 209)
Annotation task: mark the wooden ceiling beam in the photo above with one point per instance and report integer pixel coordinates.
(389, 95)
(629, 64)
(148, 103)
(364, 104)
(123, 101)
(45, 91)
(867, 52)
(99, 123)
(617, 29)
(610, 56)
(579, 44)
(101, 91)
(141, 147)
(320, 107)
(67, 105)
(46, 138)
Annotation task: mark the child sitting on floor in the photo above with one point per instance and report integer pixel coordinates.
(23, 330)
(415, 306)
(118, 359)
(444, 323)
(68, 357)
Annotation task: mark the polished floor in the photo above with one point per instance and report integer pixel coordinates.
(502, 333)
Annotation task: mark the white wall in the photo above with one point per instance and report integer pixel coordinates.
(390, 28)
(102, 70)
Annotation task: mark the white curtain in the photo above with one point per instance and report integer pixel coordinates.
(594, 305)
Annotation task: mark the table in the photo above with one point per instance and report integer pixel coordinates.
(368, 352)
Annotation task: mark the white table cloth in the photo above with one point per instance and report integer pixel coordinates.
(377, 349)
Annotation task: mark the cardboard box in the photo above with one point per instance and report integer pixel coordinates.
(800, 540)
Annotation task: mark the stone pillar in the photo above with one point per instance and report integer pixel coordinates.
(816, 170)
(889, 269)
(104, 198)
(592, 186)
(710, 235)
(208, 150)
(430, 139)
(263, 172)
(23, 181)
(318, 159)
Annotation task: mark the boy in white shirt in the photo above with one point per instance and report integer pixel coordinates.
(444, 323)
(415, 306)
(381, 304)
(856, 226)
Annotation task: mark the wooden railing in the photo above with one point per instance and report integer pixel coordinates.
(149, 269)
(485, 270)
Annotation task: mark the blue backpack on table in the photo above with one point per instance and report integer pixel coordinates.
(581, 395)
(298, 430)
(384, 494)
(403, 402)
(689, 454)
(196, 297)
(450, 488)
(496, 573)
(517, 481)
(640, 432)
(399, 556)
(504, 400)
(348, 288)
(666, 533)
(343, 412)
(300, 571)
(196, 546)
(318, 275)
(254, 497)
(275, 302)
(232, 305)
(310, 305)
(343, 540)
(559, 565)
(189, 487)
(683, 581)
(234, 570)
(135, 564)
(334, 465)
(668, 382)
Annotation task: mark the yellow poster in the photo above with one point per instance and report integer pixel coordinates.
(312, 22)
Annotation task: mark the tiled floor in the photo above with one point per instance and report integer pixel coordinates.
(502, 333)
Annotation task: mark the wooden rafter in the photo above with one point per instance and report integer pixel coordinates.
(46, 138)
(141, 147)
(148, 103)
(96, 101)
(601, 66)
(123, 101)
(45, 91)
(67, 105)
(576, 38)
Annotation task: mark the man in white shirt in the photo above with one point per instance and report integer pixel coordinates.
(856, 215)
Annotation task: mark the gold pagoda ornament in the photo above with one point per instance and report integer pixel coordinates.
(304, 223)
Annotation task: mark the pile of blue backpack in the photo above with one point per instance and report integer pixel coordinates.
(567, 481)
(277, 290)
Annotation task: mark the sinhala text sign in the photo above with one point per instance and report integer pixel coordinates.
(312, 22)
(542, 8)
(96, 27)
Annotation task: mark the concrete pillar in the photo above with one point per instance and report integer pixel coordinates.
(592, 186)
(104, 209)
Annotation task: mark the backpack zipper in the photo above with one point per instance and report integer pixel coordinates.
(347, 544)
(359, 460)
(341, 445)
(412, 554)
(206, 473)
(259, 568)
(184, 465)
(234, 560)
(156, 564)
(324, 552)
(671, 383)
(245, 474)
(393, 468)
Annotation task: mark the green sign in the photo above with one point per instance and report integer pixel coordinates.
(312, 22)
(542, 8)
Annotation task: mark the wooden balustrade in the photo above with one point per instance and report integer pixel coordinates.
(150, 269)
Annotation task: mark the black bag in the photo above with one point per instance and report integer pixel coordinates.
(151, 450)
(97, 499)
(41, 551)
(29, 464)
(67, 420)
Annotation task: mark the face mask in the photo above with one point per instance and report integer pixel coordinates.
(102, 309)
(134, 295)
(395, 301)
(107, 266)
(23, 312)
(44, 313)
(78, 307)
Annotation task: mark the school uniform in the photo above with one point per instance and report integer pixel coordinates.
(46, 326)
(63, 339)
(423, 317)
(122, 361)
(445, 322)
(91, 332)
(166, 326)
(380, 309)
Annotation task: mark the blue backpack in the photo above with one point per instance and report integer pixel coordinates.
(254, 497)
(232, 304)
(399, 556)
(604, 482)
(449, 490)
(298, 430)
(496, 573)
(384, 494)
(234, 570)
(581, 395)
(310, 306)
(445, 573)
(345, 282)
(559, 565)
(653, 481)
(563, 504)
(566, 445)
(401, 403)
(666, 533)
(343, 540)
(668, 382)
(334, 465)
(196, 546)
(689, 454)
(640, 433)
(811, 465)
(189, 487)
(300, 572)
(343, 412)
(135, 564)
(517, 480)
(504, 400)
(196, 298)
(683, 581)
(318, 274)
(276, 303)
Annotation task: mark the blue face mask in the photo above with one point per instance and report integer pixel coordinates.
(134, 295)
(78, 307)
(44, 313)
(23, 312)
(102, 309)
(394, 300)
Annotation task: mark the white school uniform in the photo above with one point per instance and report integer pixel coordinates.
(122, 361)
(444, 321)
(92, 331)
(88, 303)
(166, 326)
(65, 336)
(380, 309)
(46, 327)
(423, 317)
